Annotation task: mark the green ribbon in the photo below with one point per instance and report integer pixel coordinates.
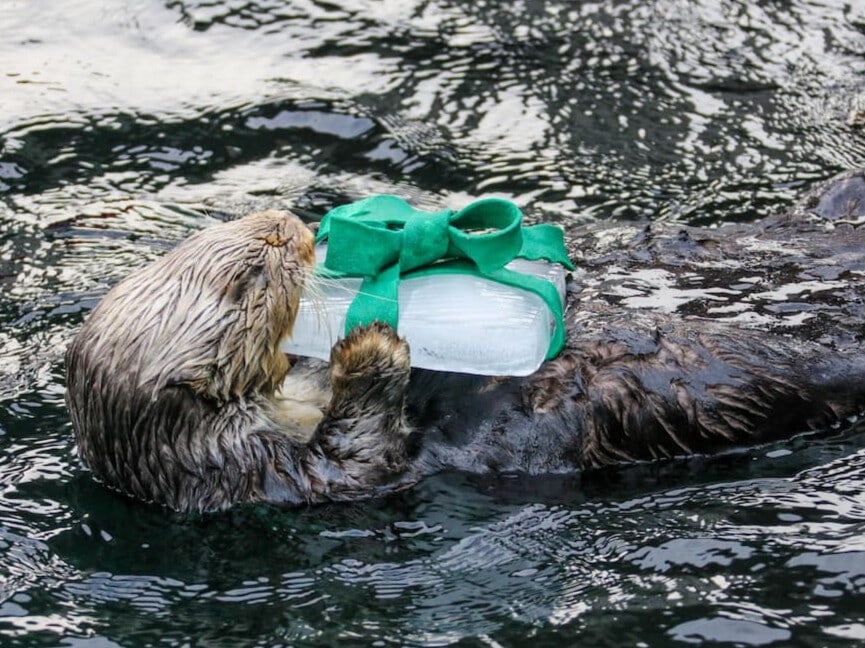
(383, 239)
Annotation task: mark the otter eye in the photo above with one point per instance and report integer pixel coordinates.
(251, 277)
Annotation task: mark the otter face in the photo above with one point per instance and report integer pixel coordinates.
(209, 315)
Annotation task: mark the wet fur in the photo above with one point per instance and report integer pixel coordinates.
(179, 395)
(172, 381)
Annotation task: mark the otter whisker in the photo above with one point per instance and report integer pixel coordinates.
(314, 292)
(318, 281)
(315, 295)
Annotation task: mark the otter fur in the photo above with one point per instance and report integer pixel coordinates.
(680, 341)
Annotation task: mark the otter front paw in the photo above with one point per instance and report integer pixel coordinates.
(370, 360)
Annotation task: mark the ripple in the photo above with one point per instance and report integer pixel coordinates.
(719, 629)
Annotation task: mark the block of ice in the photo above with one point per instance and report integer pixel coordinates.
(455, 322)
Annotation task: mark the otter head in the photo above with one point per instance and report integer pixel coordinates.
(175, 355)
(210, 314)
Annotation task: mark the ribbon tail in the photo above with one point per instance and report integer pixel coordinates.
(378, 299)
(545, 241)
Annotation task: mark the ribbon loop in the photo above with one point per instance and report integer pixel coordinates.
(383, 238)
(489, 250)
(346, 256)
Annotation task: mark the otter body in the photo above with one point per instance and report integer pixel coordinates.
(680, 341)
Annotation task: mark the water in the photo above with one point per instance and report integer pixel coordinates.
(126, 126)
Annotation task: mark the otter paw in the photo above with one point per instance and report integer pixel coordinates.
(372, 351)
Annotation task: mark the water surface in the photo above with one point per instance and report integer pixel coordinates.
(126, 126)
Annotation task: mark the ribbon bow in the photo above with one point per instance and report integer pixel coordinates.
(383, 238)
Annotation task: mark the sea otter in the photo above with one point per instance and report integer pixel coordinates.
(680, 341)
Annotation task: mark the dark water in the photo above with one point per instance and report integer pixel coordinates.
(125, 126)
